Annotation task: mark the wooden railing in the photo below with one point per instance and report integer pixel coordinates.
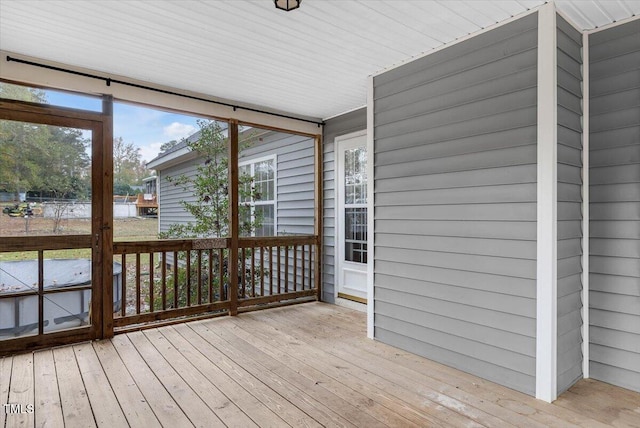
(276, 269)
(171, 279)
(159, 282)
(38, 313)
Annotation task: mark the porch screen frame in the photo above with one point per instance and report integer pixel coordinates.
(101, 225)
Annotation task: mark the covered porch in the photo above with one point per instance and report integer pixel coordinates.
(501, 217)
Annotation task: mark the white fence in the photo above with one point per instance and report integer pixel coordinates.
(83, 210)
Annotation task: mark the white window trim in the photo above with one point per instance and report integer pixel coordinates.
(338, 221)
(252, 162)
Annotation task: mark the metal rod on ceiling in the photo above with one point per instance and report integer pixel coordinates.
(109, 81)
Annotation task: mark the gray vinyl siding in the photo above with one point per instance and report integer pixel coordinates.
(569, 192)
(455, 205)
(334, 127)
(614, 296)
(170, 195)
(295, 183)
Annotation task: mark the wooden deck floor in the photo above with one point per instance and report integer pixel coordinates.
(306, 365)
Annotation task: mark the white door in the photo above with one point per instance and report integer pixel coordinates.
(351, 217)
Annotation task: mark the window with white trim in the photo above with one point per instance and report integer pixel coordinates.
(260, 193)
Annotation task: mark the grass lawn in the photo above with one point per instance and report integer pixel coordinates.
(128, 229)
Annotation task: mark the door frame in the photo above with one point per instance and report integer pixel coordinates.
(339, 217)
(100, 237)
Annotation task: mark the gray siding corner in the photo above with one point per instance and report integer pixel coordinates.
(569, 191)
(614, 296)
(455, 205)
(345, 124)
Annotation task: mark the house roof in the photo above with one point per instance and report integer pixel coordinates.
(313, 61)
(181, 152)
(174, 153)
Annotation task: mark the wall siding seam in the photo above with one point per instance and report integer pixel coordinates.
(463, 287)
(482, 308)
(457, 137)
(514, 164)
(448, 107)
(504, 127)
(526, 48)
(492, 362)
(479, 116)
(465, 153)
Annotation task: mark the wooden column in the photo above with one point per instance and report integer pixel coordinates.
(233, 217)
(318, 216)
(106, 225)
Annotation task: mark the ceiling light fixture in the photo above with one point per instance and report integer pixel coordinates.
(287, 5)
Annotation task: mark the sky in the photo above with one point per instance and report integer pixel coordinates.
(146, 128)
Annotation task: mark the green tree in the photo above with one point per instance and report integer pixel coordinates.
(47, 159)
(127, 162)
(168, 145)
(22, 93)
(209, 186)
(209, 206)
(69, 165)
(21, 144)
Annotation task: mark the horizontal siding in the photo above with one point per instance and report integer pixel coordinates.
(455, 205)
(341, 125)
(569, 250)
(170, 209)
(614, 302)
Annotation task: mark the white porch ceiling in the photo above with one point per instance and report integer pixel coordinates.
(312, 62)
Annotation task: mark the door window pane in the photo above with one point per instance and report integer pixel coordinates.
(355, 176)
(355, 233)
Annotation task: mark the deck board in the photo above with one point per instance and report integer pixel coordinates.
(236, 386)
(76, 408)
(162, 403)
(301, 366)
(21, 391)
(47, 405)
(109, 412)
(6, 365)
(135, 407)
(197, 380)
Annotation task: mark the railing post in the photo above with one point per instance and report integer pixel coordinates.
(233, 217)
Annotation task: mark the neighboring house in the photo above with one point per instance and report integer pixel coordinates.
(282, 167)
(147, 201)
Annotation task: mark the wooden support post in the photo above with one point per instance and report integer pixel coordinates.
(104, 198)
(318, 216)
(233, 217)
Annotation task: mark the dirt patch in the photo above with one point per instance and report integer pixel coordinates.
(134, 229)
